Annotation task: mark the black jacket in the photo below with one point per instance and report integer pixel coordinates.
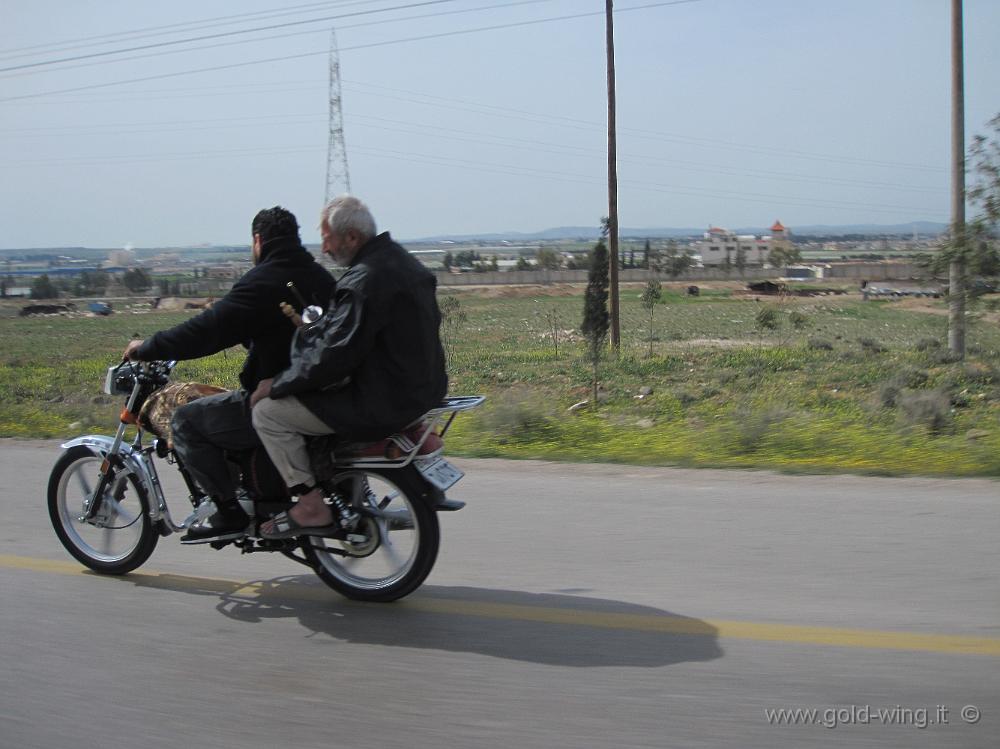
(249, 314)
(381, 333)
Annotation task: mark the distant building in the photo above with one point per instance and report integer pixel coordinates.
(720, 246)
(125, 258)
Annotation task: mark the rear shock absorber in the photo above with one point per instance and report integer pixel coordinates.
(345, 515)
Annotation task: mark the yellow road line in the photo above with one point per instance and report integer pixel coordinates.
(662, 623)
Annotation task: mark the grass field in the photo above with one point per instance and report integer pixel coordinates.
(840, 385)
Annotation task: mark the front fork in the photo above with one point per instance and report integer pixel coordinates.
(112, 462)
(140, 463)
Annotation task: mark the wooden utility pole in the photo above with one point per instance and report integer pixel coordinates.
(956, 269)
(616, 331)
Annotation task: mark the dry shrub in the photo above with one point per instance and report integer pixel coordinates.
(819, 344)
(752, 427)
(930, 409)
(520, 415)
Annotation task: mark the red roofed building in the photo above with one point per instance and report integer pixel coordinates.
(723, 247)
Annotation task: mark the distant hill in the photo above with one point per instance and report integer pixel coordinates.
(592, 233)
(920, 227)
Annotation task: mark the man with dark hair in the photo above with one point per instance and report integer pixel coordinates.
(250, 314)
(372, 365)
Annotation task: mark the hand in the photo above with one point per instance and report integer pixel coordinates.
(130, 350)
(262, 391)
(291, 314)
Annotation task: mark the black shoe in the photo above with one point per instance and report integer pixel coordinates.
(217, 527)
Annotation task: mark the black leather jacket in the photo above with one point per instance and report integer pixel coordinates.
(374, 363)
(249, 314)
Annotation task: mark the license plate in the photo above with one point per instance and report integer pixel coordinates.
(439, 472)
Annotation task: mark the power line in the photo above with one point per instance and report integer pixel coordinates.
(507, 169)
(649, 134)
(513, 170)
(255, 40)
(458, 135)
(511, 113)
(96, 41)
(220, 35)
(216, 68)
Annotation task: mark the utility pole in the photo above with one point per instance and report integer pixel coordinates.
(956, 269)
(616, 332)
(338, 180)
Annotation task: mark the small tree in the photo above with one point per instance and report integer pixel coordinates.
(553, 318)
(674, 261)
(784, 255)
(976, 246)
(653, 258)
(741, 260)
(447, 261)
(91, 283)
(645, 255)
(596, 319)
(766, 321)
(548, 258)
(137, 280)
(522, 264)
(650, 296)
(452, 317)
(43, 288)
(984, 156)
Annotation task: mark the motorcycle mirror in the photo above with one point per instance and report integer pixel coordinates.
(311, 314)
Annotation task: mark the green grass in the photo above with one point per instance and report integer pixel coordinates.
(722, 394)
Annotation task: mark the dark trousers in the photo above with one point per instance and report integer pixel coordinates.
(204, 430)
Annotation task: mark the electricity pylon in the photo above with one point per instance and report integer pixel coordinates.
(338, 180)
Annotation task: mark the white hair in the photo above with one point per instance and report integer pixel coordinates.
(346, 212)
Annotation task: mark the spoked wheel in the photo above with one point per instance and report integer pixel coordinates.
(395, 544)
(121, 535)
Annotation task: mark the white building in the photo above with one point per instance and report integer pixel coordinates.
(124, 257)
(719, 245)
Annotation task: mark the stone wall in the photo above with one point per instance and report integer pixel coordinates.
(842, 271)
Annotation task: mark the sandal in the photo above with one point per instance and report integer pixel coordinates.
(285, 526)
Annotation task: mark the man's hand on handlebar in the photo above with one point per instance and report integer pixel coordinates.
(130, 350)
(263, 391)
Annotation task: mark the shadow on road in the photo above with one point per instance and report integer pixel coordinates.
(548, 628)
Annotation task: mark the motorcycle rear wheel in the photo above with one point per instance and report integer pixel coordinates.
(123, 536)
(404, 532)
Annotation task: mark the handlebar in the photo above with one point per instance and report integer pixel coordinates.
(122, 378)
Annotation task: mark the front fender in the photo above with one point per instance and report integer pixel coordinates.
(102, 444)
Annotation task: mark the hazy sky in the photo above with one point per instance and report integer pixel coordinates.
(730, 112)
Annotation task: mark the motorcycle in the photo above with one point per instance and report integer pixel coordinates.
(108, 507)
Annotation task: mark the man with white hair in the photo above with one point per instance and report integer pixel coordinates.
(372, 365)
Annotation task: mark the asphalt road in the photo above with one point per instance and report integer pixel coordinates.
(571, 606)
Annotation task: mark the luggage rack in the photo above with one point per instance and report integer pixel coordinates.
(416, 436)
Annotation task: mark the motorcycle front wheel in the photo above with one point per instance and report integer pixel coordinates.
(121, 536)
(395, 544)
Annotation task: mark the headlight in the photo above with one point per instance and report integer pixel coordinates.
(119, 380)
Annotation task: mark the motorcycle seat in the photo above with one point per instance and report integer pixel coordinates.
(394, 447)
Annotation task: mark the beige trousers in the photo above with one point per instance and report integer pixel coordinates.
(282, 425)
